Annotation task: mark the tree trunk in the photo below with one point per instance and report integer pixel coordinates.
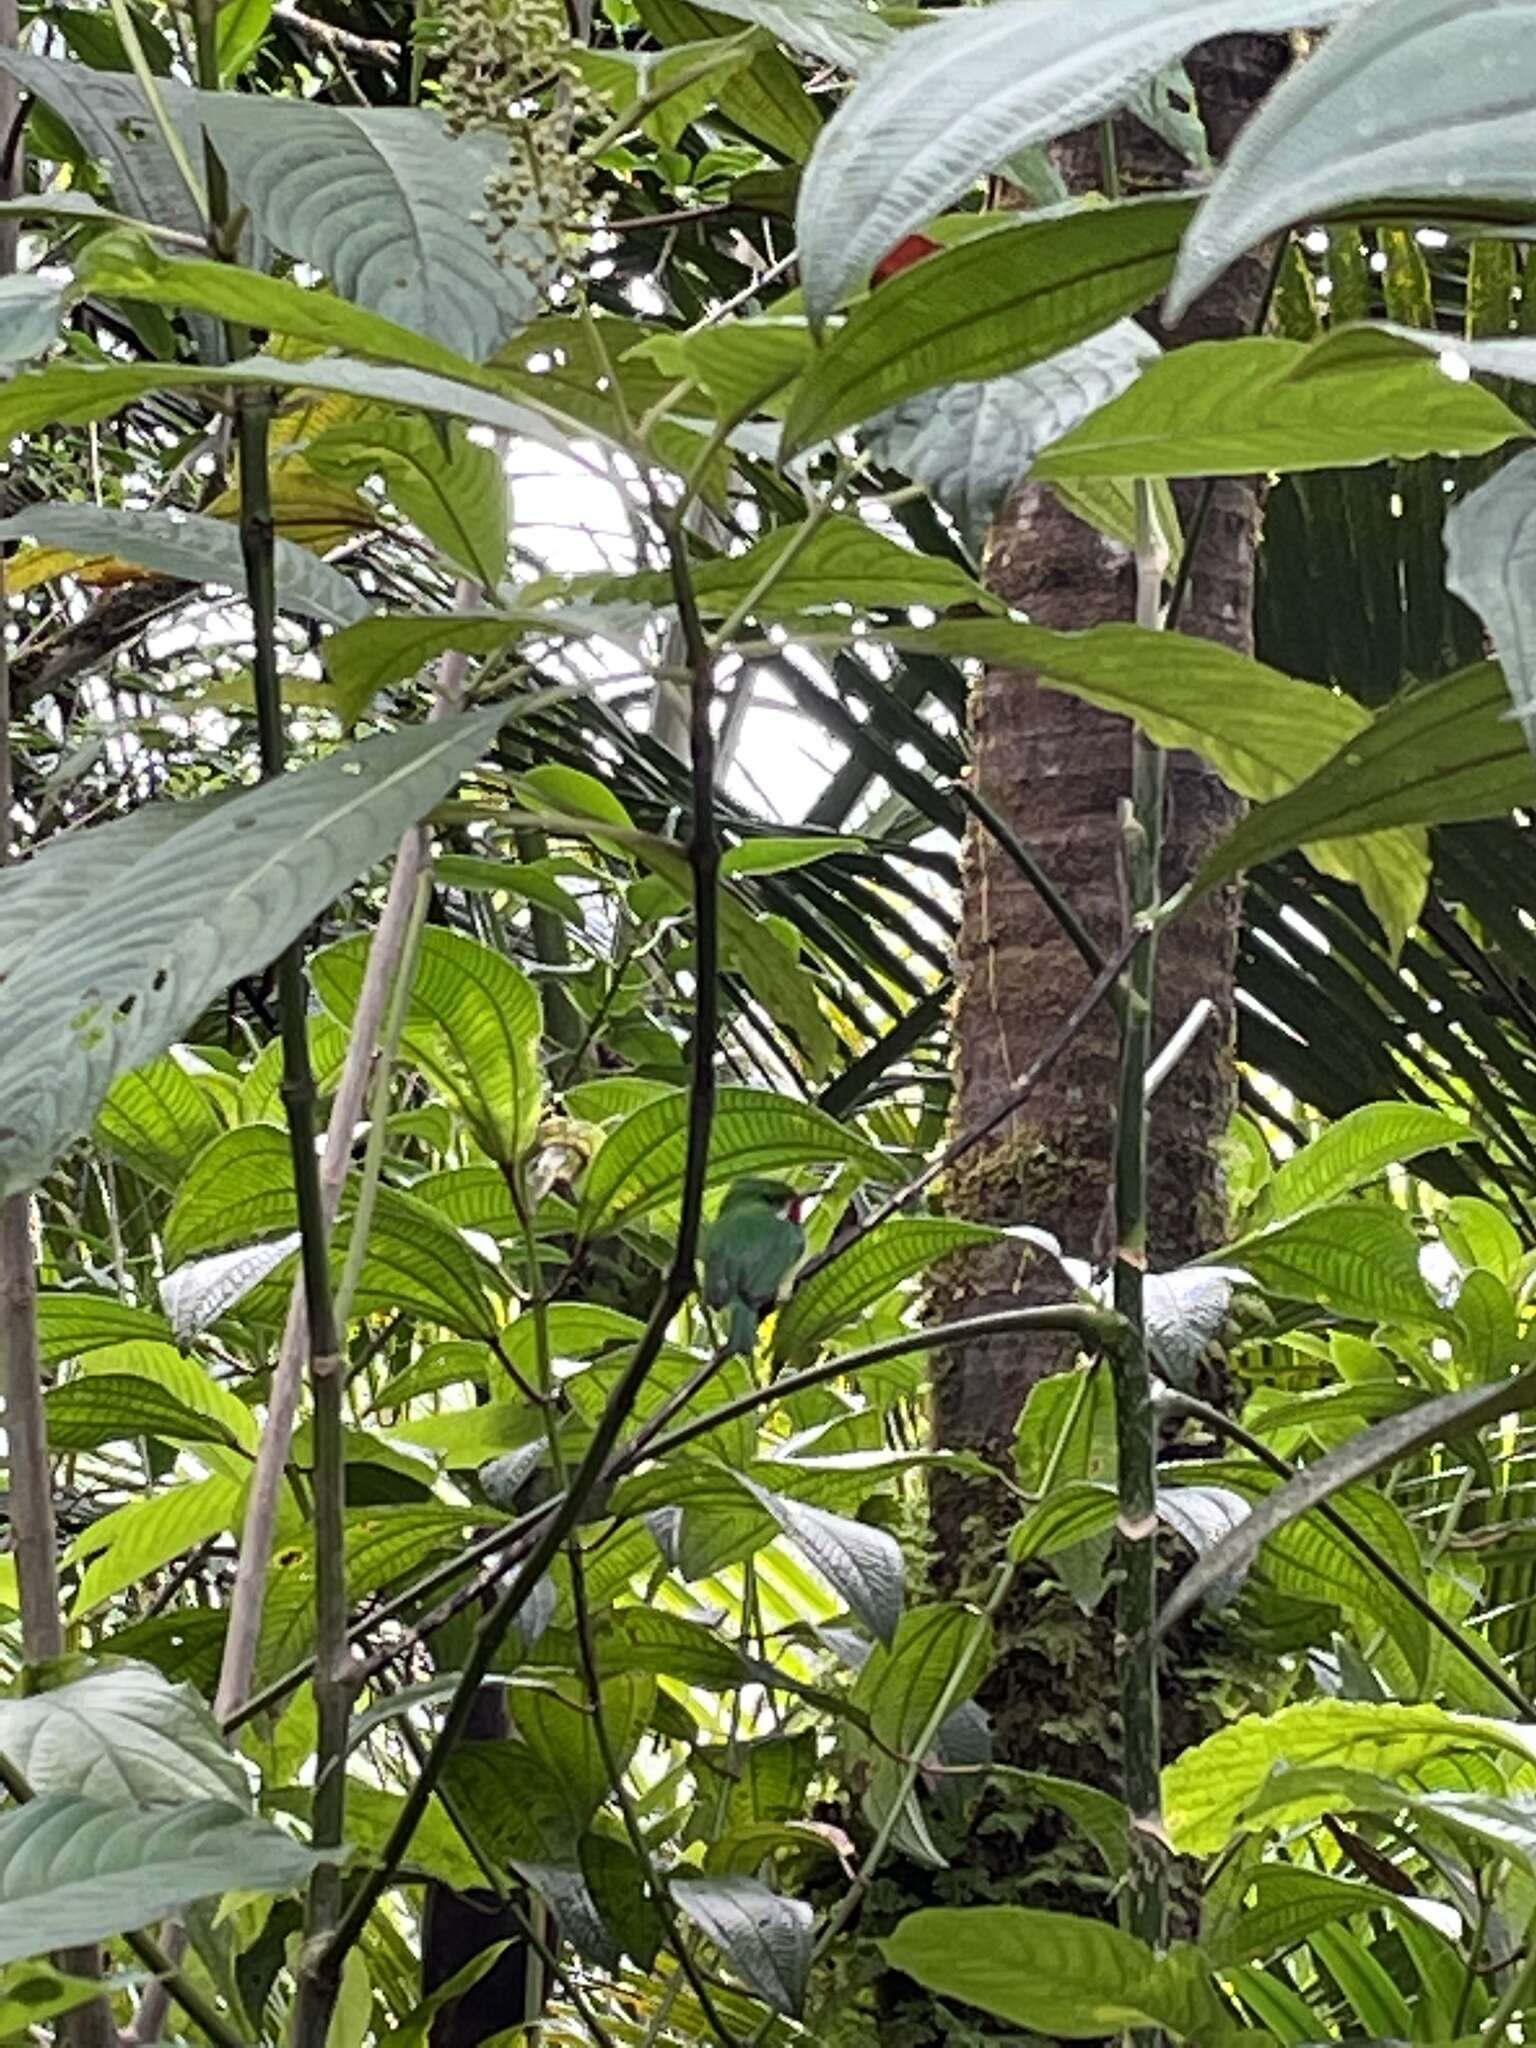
(1056, 770)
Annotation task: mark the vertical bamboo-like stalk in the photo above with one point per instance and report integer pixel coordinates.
(1135, 1422)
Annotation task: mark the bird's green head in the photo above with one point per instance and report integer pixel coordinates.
(777, 1195)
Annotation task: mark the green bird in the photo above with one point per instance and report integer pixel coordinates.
(750, 1255)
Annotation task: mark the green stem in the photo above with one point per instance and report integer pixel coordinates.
(1135, 1420)
(149, 85)
(378, 1105)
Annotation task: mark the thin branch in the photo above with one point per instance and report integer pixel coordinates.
(1089, 952)
(704, 862)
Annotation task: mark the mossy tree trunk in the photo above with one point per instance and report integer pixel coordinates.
(1056, 770)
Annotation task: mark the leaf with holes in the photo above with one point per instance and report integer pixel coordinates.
(1348, 126)
(639, 1166)
(764, 1937)
(995, 303)
(866, 1272)
(132, 967)
(194, 548)
(123, 1735)
(474, 1025)
(955, 100)
(73, 1870)
(375, 198)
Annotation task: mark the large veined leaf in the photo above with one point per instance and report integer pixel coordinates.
(36, 895)
(29, 316)
(69, 1325)
(474, 1024)
(114, 122)
(375, 198)
(195, 1295)
(1442, 754)
(1353, 1151)
(107, 1408)
(448, 485)
(129, 266)
(172, 1373)
(866, 1272)
(1208, 1790)
(763, 1936)
(1054, 1973)
(1490, 563)
(939, 1655)
(198, 549)
(1288, 1902)
(71, 393)
(1349, 126)
(969, 444)
(955, 100)
(157, 1119)
(129, 970)
(1262, 732)
(125, 1546)
(123, 1735)
(384, 649)
(236, 1189)
(1222, 408)
(74, 1870)
(1357, 1258)
(639, 1166)
(1312, 1560)
(997, 302)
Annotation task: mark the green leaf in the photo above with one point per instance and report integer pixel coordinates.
(1069, 1514)
(1207, 1790)
(29, 316)
(122, 1735)
(238, 1188)
(767, 100)
(418, 1262)
(196, 1295)
(1370, 1451)
(954, 100)
(183, 1378)
(1357, 1258)
(639, 1166)
(243, 27)
(376, 652)
(1490, 549)
(777, 855)
(867, 1272)
(375, 197)
(1353, 1151)
(764, 1938)
(740, 366)
(969, 444)
(158, 1119)
(115, 123)
(70, 394)
(1349, 126)
(1441, 754)
(807, 568)
(125, 1546)
(130, 969)
(73, 1870)
(997, 302)
(1099, 1815)
(861, 1563)
(561, 1734)
(32, 1993)
(69, 1325)
(456, 494)
(114, 1408)
(1260, 730)
(668, 89)
(1313, 1561)
(1054, 1973)
(1222, 408)
(194, 548)
(841, 32)
(474, 1026)
(938, 1650)
(129, 266)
